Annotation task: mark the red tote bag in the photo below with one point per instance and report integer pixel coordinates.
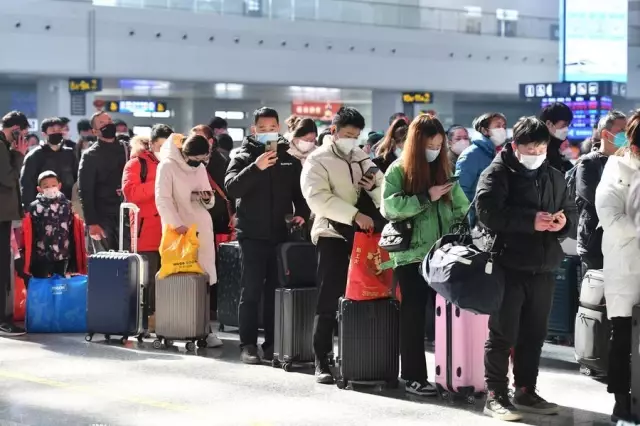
(366, 280)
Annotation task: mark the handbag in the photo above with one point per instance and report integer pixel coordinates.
(396, 236)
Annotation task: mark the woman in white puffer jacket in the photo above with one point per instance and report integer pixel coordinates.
(621, 249)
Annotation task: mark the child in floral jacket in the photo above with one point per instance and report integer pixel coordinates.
(52, 225)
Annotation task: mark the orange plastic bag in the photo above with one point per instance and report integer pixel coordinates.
(366, 280)
(19, 299)
(179, 252)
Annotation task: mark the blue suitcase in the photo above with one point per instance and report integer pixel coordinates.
(115, 291)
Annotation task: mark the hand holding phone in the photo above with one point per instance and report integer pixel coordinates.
(453, 179)
(372, 171)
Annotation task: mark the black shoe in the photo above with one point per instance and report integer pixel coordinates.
(267, 353)
(500, 407)
(9, 329)
(527, 400)
(622, 409)
(323, 372)
(250, 355)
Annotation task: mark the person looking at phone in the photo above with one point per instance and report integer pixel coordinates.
(458, 140)
(334, 178)
(265, 179)
(418, 187)
(526, 205)
(390, 147)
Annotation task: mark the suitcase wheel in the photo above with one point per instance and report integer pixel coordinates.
(124, 340)
(587, 371)
(191, 347)
(107, 337)
(275, 363)
(88, 337)
(168, 343)
(471, 400)
(140, 338)
(157, 344)
(287, 366)
(202, 343)
(342, 383)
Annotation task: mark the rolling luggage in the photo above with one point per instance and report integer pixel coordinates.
(297, 265)
(635, 362)
(460, 339)
(182, 310)
(592, 328)
(115, 299)
(565, 299)
(369, 342)
(293, 337)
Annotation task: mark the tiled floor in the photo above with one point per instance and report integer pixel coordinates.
(49, 380)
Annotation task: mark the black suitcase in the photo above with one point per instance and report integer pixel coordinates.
(592, 328)
(293, 337)
(369, 342)
(115, 290)
(297, 265)
(635, 362)
(565, 299)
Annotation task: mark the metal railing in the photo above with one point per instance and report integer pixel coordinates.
(363, 12)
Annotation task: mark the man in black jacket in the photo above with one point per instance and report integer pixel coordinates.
(558, 118)
(588, 173)
(526, 204)
(13, 146)
(265, 180)
(99, 185)
(53, 156)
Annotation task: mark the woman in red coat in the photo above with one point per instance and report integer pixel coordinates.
(138, 187)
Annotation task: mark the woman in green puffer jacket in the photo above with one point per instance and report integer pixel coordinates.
(416, 187)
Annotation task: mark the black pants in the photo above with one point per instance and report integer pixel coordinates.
(590, 262)
(619, 375)
(153, 263)
(416, 295)
(521, 324)
(331, 278)
(111, 227)
(259, 279)
(45, 268)
(6, 258)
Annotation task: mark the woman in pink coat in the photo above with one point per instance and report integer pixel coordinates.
(184, 195)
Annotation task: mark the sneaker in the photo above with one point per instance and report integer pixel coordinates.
(267, 353)
(213, 341)
(527, 400)
(324, 375)
(499, 407)
(11, 330)
(420, 388)
(250, 355)
(622, 409)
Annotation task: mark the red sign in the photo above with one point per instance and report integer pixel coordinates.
(324, 111)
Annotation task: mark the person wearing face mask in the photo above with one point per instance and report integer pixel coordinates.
(66, 133)
(558, 118)
(417, 187)
(224, 144)
(265, 179)
(336, 185)
(369, 146)
(52, 156)
(99, 186)
(390, 147)
(122, 129)
(303, 139)
(457, 140)
(492, 128)
(617, 208)
(33, 141)
(526, 205)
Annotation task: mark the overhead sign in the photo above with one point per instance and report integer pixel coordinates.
(569, 89)
(417, 97)
(85, 85)
(594, 40)
(324, 111)
(136, 107)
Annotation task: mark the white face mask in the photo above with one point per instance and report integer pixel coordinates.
(51, 193)
(459, 146)
(432, 154)
(346, 145)
(498, 136)
(561, 133)
(532, 162)
(305, 146)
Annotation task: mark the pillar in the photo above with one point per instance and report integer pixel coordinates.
(383, 105)
(443, 104)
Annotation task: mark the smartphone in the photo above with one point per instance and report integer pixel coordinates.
(371, 172)
(271, 146)
(453, 179)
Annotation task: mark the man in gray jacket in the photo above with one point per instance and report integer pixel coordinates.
(13, 147)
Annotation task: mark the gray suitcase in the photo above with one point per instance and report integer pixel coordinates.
(182, 310)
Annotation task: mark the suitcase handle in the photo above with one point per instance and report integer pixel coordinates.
(134, 232)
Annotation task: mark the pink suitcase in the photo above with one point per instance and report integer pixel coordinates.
(460, 339)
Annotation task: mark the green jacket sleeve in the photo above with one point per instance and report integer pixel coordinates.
(396, 204)
(460, 203)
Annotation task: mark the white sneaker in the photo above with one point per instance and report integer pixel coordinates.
(213, 341)
(421, 389)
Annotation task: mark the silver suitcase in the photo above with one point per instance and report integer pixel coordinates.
(182, 310)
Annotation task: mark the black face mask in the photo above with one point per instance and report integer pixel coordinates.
(108, 131)
(55, 138)
(90, 138)
(195, 163)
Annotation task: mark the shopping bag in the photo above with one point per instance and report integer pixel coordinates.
(179, 252)
(19, 299)
(57, 305)
(366, 280)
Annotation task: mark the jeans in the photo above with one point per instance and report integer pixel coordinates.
(259, 278)
(6, 280)
(416, 294)
(521, 323)
(333, 265)
(46, 268)
(619, 375)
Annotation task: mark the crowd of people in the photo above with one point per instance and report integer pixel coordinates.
(341, 184)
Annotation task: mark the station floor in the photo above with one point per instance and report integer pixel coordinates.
(51, 380)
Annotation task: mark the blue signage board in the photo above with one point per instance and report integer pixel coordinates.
(587, 111)
(570, 89)
(589, 28)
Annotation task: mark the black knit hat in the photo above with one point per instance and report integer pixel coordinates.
(195, 145)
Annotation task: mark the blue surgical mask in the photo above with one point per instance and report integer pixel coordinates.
(263, 138)
(620, 140)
